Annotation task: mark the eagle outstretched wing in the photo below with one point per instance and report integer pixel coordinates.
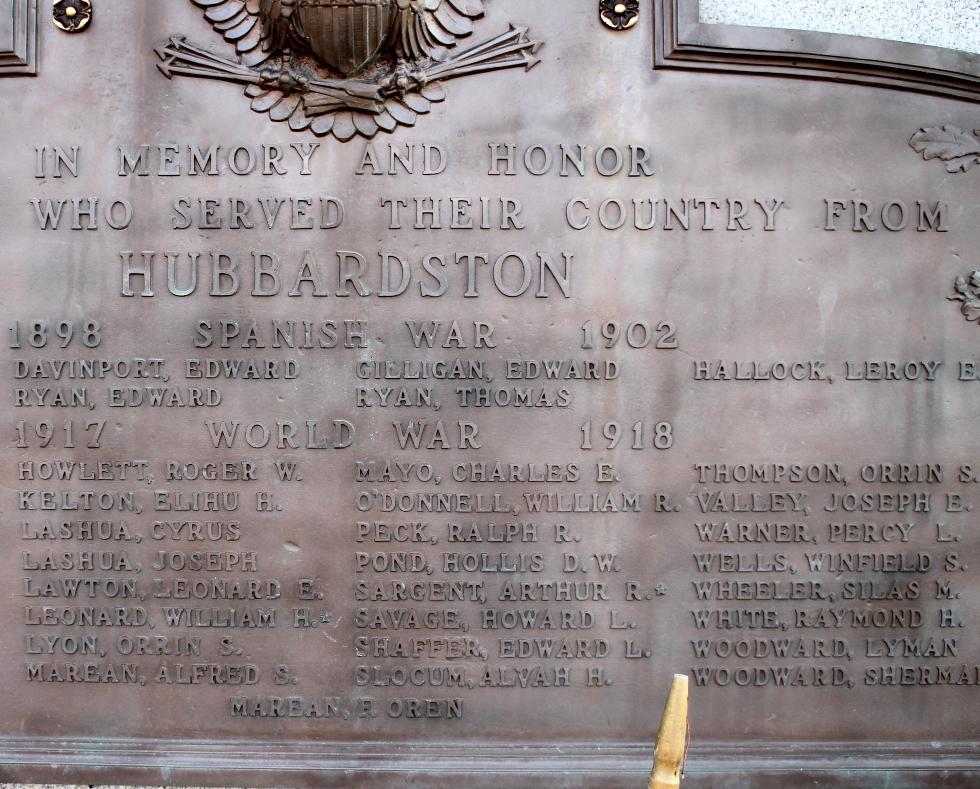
(422, 30)
(257, 28)
(426, 28)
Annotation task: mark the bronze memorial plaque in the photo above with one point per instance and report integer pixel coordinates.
(400, 392)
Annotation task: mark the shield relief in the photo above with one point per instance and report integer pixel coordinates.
(347, 34)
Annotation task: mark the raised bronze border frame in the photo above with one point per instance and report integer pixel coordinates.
(682, 41)
(21, 58)
(339, 765)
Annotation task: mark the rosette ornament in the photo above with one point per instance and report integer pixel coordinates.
(72, 16)
(619, 14)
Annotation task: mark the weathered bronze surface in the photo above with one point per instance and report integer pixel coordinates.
(413, 423)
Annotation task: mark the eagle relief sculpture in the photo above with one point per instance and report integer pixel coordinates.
(346, 67)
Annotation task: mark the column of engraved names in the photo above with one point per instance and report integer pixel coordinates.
(831, 575)
(134, 569)
(475, 571)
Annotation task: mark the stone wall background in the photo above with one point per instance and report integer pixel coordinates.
(942, 23)
(945, 23)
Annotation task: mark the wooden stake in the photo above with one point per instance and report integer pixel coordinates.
(668, 758)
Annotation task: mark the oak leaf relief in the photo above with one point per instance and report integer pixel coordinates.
(959, 149)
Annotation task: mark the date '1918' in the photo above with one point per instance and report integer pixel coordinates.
(645, 435)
